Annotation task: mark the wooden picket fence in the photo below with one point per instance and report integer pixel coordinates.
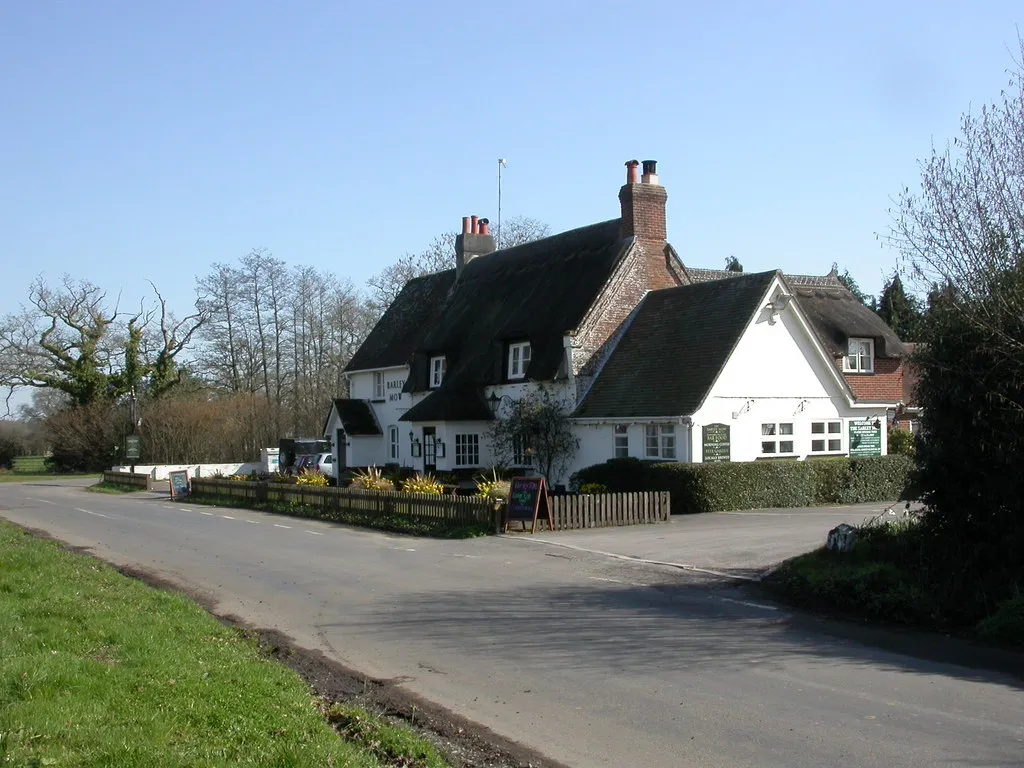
(137, 480)
(414, 507)
(568, 512)
(610, 509)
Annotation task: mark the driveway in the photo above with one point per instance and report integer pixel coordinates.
(736, 543)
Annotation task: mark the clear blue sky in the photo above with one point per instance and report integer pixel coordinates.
(147, 140)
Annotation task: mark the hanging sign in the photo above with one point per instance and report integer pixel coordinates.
(865, 439)
(528, 498)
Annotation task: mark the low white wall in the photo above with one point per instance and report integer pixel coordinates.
(159, 471)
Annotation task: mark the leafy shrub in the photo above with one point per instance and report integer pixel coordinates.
(313, 478)
(372, 479)
(423, 483)
(281, 477)
(1006, 625)
(757, 484)
(594, 488)
(902, 442)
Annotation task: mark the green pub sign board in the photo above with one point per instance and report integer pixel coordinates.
(132, 447)
(715, 443)
(865, 439)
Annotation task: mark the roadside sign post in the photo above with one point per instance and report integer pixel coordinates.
(133, 449)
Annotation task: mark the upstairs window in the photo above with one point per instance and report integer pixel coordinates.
(378, 385)
(436, 372)
(826, 436)
(621, 441)
(518, 359)
(860, 356)
(660, 441)
(776, 439)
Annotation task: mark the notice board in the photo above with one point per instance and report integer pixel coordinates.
(527, 499)
(179, 484)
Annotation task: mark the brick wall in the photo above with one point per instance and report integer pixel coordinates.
(885, 384)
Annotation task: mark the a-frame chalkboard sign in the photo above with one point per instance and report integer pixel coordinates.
(179, 484)
(527, 499)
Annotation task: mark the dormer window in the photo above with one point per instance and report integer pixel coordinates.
(518, 359)
(436, 371)
(860, 356)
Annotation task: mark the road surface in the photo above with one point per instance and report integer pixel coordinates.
(590, 660)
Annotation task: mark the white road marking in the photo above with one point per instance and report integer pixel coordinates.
(314, 533)
(646, 561)
(168, 506)
(97, 514)
(749, 604)
(601, 578)
(227, 517)
(278, 525)
(252, 522)
(208, 514)
(45, 501)
(459, 554)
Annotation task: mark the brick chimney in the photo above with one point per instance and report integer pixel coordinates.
(475, 240)
(643, 203)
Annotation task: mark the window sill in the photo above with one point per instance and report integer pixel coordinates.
(859, 373)
(771, 456)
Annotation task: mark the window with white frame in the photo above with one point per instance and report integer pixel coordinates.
(467, 450)
(522, 454)
(826, 436)
(378, 385)
(518, 359)
(436, 371)
(660, 441)
(860, 356)
(776, 438)
(393, 443)
(621, 441)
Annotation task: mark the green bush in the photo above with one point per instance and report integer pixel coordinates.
(594, 488)
(901, 442)
(1006, 625)
(757, 484)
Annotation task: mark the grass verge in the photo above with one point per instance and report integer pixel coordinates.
(438, 529)
(889, 578)
(97, 669)
(104, 487)
(25, 477)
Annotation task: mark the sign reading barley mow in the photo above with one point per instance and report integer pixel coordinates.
(715, 443)
(865, 439)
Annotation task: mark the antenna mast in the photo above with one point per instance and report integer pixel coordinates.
(502, 162)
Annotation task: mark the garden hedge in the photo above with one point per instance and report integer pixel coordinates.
(758, 484)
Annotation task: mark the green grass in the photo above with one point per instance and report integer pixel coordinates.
(15, 477)
(105, 487)
(100, 670)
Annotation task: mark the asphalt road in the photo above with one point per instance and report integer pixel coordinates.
(591, 660)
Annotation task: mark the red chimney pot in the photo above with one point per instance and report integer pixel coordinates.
(465, 225)
(485, 227)
(631, 172)
(473, 226)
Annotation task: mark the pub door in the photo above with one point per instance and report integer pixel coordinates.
(429, 449)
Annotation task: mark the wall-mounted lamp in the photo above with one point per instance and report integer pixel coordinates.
(776, 305)
(801, 406)
(743, 409)
(439, 449)
(415, 446)
(493, 401)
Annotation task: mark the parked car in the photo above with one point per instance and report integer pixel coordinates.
(324, 462)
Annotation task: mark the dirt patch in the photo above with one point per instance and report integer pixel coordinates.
(464, 744)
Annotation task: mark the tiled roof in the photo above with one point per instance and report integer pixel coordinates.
(675, 348)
